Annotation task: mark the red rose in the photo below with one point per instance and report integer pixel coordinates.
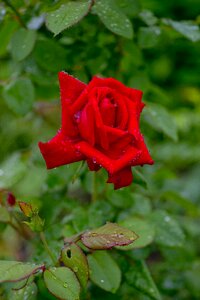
(100, 124)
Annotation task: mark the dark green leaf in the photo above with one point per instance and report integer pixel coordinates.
(19, 95)
(50, 55)
(129, 7)
(7, 30)
(140, 277)
(67, 15)
(148, 36)
(104, 271)
(168, 231)
(22, 43)
(114, 19)
(62, 283)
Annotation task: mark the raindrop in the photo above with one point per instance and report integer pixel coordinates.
(65, 285)
(77, 116)
(102, 281)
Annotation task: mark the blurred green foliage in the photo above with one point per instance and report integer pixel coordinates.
(146, 44)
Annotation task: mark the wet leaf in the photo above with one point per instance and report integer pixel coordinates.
(67, 15)
(73, 257)
(113, 18)
(104, 271)
(16, 271)
(108, 236)
(28, 292)
(168, 231)
(140, 277)
(187, 28)
(145, 231)
(62, 283)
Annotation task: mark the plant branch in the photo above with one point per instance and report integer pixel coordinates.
(46, 246)
(7, 2)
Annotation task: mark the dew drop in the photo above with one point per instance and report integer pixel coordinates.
(102, 281)
(77, 116)
(65, 285)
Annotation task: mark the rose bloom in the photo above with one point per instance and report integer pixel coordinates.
(100, 124)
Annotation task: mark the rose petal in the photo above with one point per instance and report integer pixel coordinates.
(134, 94)
(111, 165)
(145, 157)
(122, 178)
(108, 111)
(59, 151)
(70, 87)
(86, 124)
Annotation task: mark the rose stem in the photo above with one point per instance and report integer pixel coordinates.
(46, 246)
(94, 187)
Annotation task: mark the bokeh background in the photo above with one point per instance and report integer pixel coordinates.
(162, 58)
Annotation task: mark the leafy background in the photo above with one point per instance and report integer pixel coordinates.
(146, 44)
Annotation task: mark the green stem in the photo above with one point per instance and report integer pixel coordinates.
(46, 246)
(94, 187)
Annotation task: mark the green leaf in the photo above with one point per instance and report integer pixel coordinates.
(104, 271)
(12, 170)
(140, 277)
(67, 15)
(73, 257)
(148, 17)
(108, 236)
(148, 36)
(16, 271)
(19, 95)
(186, 28)
(159, 118)
(50, 55)
(129, 7)
(62, 283)
(168, 231)
(144, 229)
(7, 30)
(22, 43)
(28, 292)
(113, 18)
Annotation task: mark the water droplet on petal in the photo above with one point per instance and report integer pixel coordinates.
(77, 116)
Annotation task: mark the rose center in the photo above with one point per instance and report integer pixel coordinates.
(108, 108)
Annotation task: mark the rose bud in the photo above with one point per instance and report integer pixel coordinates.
(100, 124)
(11, 200)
